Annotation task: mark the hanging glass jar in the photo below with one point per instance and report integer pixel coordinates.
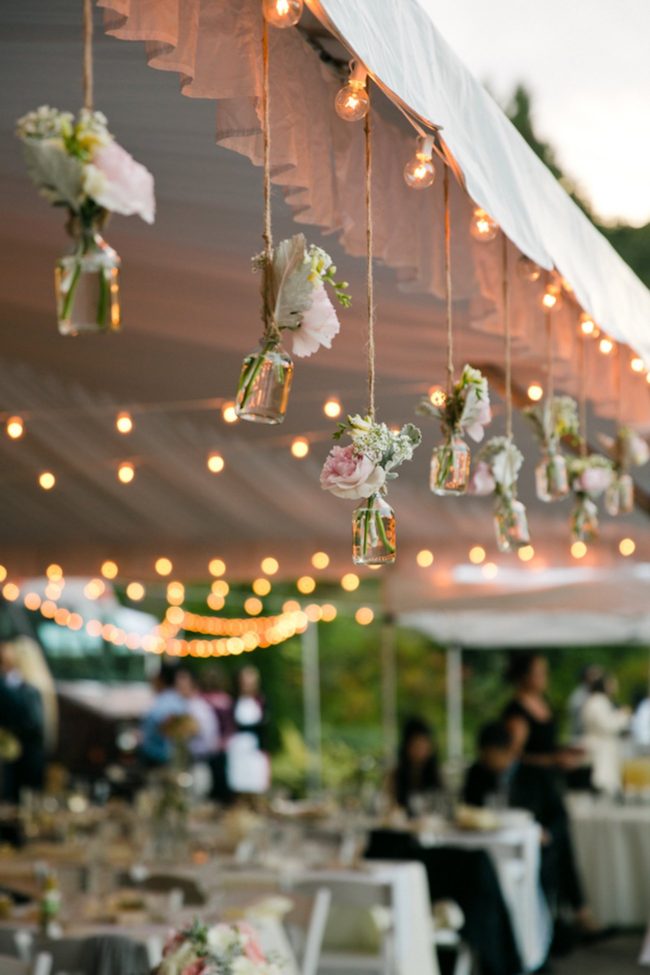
(87, 279)
(584, 520)
(373, 532)
(551, 476)
(510, 524)
(619, 497)
(450, 464)
(264, 385)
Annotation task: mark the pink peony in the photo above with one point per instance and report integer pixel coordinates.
(252, 951)
(319, 325)
(594, 480)
(348, 474)
(126, 186)
(482, 481)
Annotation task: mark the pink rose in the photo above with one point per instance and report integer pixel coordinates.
(348, 474)
(126, 186)
(174, 941)
(482, 481)
(196, 967)
(252, 950)
(318, 327)
(594, 480)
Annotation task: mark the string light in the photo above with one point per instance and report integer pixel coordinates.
(332, 408)
(290, 606)
(261, 587)
(535, 392)
(253, 606)
(135, 591)
(124, 423)
(637, 364)
(215, 602)
(269, 566)
(352, 102)
(305, 585)
(647, 378)
(126, 472)
(109, 569)
(482, 227)
(527, 269)
(220, 588)
(217, 567)
(606, 345)
(578, 550)
(229, 413)
(477, 554)
(490, 570)
(437, 396)
(47, 480)
(300, 447)
(419, 171)
(588, 326)
(627, 546)
(175, 593)
(94, 589)
(54, 572)
(215, 463)
(328, 612)
(282, 13)
(163, 566)
(350, 582)
(424, 558)
(364, 615)
(15, 427)
(3, 573)
(320, 560)
(526, 553)
(552, 297)
(11, 591)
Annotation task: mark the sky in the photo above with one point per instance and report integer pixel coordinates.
(587, 64)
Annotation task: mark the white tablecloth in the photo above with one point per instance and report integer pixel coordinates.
(612, 845)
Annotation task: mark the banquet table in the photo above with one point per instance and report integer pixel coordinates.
(612, 842)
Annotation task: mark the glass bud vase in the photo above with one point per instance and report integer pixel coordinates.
(373, 532)
(619, 497)
(450, 465)
(551, 477)
(264, 385)
(87, 280)
(584, 520)
(510, 524)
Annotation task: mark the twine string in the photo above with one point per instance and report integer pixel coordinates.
(448, 291)
(582, 394)
(271, 330)
(505, 298)
(618, 386)
(370, 283)
(550, 377)
(87, 82)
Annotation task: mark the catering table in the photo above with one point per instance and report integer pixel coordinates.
(612, 843)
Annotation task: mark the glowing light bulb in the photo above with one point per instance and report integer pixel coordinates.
(535, 392)
(552, 298)
(215, 463)
(282, 13)
(269, 566)
(606, 345)
(482, 226)
(305, 585)
(54, 572)
(47, 480)
(527, 269)
(424, 558)
(261, 587)
(253, 606)
(490, 570)
(15, 427)
(526, 553)
(587, 325)
(637, 364)
(229, 413)
(220, 588)
(300, 447)
(175, 593)
(578, 550)
(350, 582)
(419, 171)
(126, 472)
(332, 408)
(477, 554)
(215, 602)
(328, 612)
(352, 102)
(124, 423)
(437, 396)
(216, 567)
(163, 566)
(109, 569)
(135, 591)
(364, 615)
(320, 560)
(647, 378)
(627, 546)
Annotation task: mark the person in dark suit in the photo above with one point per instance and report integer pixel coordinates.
(21, 714)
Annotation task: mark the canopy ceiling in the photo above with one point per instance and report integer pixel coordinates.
(191, 310)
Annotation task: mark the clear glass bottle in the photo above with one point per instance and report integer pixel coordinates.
(87, 281)
(619, 497)
(510, 524)
(551, 477)
(450, 464)
(264, 385)
(373, 532)
(584, 520)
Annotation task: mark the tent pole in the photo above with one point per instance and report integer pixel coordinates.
(455, 714)
(311, 706)
(388, 688)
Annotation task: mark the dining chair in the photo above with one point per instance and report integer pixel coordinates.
(42, 965)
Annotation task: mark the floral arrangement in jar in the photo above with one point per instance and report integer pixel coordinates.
(590, 476)
(361, 470)
(553, 420)
(295, 300)
(76, 163)
(464, 412)
(497, 473)
(220, 949)
(627, 449)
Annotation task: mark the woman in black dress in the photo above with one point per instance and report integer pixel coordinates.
(416, 776)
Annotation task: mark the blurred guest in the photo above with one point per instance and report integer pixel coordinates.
(216, 694)
(604, 723)
(155, 746)
(248, 765)
(21, 714)
(578, 699)
(640, 726)
(206, 741)
(416, 776)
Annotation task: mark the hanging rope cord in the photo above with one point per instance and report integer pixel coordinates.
(448, 291)
(271, 330)
(505, 298)
(550, 377)
(582, 393)
(370, 283)
(87, 79)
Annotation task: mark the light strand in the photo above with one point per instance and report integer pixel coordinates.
(505, 298)
(582, 393)
(550, 378)
(88, 55)
(370, 284)
(448, 291)
(270, 325)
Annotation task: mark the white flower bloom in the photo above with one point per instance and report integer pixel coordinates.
(221, 938)
(94, 182)
(244, 966)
